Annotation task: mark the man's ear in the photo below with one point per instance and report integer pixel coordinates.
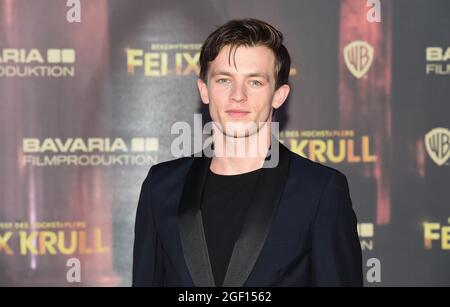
(280, 96)
(203, 90)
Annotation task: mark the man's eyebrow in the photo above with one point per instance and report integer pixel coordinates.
(255, 74)
(223, 73)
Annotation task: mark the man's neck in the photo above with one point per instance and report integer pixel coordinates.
(234, 156)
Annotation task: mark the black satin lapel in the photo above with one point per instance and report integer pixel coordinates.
(192, 233)
(268, 192)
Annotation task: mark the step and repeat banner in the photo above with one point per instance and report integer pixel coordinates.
(90, 90)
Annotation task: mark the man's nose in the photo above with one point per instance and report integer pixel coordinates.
(238, 93)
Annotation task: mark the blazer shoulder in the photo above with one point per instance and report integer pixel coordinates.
(171, 165)
(319, 180)
(162, 169)
(314, 172)
(167, 172)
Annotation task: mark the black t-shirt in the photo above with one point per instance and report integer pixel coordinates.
(226, 199)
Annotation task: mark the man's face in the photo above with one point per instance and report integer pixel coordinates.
(241, 91)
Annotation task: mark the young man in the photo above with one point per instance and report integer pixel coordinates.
(229, 220)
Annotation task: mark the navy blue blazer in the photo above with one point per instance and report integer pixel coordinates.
(300, 229)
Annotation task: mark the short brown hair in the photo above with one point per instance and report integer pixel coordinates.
(251, 33)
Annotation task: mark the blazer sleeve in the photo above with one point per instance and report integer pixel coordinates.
(147, 258)
(336, 251)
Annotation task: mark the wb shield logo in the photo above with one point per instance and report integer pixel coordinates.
(437, 143)
(358, 56)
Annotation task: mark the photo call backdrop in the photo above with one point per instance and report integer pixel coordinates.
(87, 107)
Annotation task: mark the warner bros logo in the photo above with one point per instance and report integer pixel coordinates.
(358, 56)
(437, 143)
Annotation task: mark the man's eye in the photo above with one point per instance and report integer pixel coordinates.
(222, 81)
(255, 83)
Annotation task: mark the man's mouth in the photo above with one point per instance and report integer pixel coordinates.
(237, 113)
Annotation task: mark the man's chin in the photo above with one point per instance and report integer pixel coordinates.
(238, 129)
(239, 133)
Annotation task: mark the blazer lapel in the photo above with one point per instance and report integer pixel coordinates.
(269, 188)
(192, 234)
